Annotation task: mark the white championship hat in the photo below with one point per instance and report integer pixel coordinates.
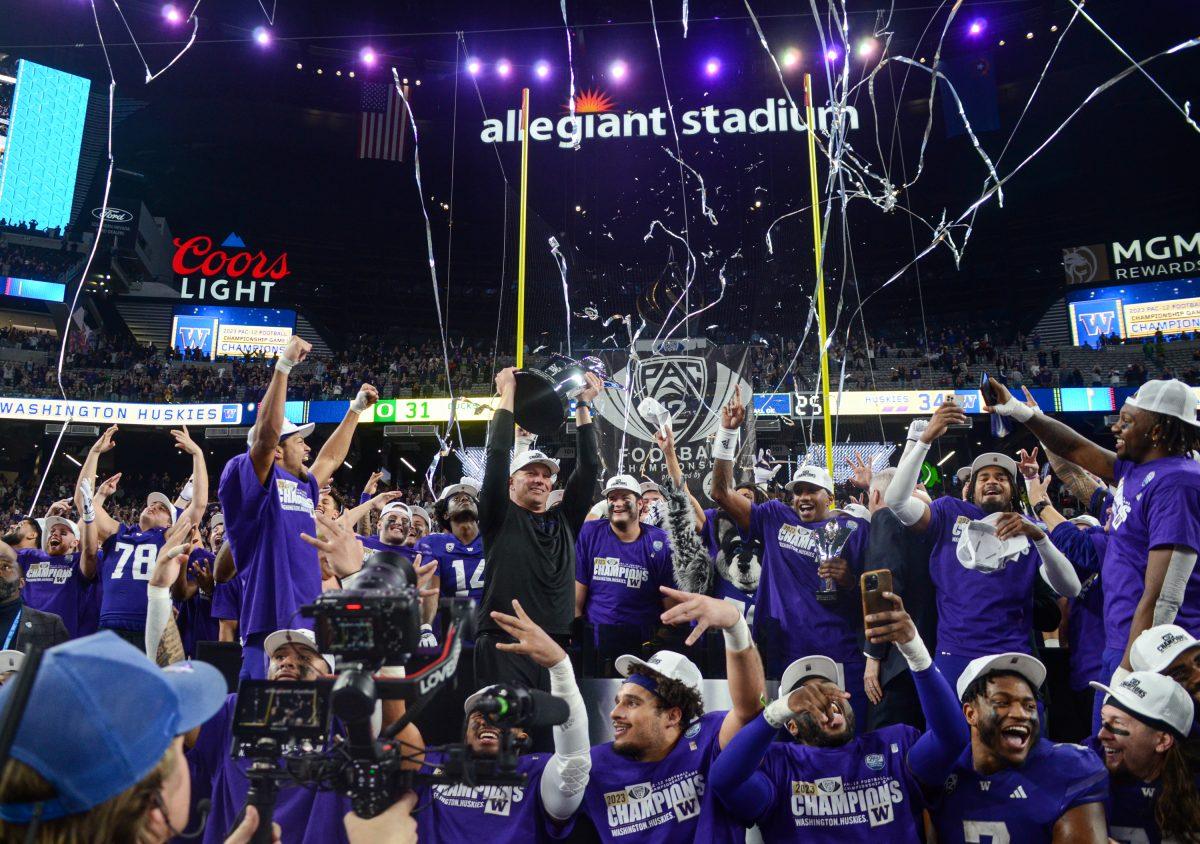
(11, 661)
(811, 474)
(623, 483)
(300, 637)
(810, 666)
(669, 664)
(51, 521)
(1170, 398)
(994, 458)
(1025, 665)
(394, 506)
(289, 429)
(467, 485)
(422, 512)
(530, 457)
(1157, 647)
(161, 498)
(651, 486)
(1153, 699)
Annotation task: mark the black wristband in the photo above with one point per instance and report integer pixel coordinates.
(1039, 507)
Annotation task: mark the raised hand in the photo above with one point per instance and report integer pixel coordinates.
(506, 379)
(1003, 397)
(61, 508)
(185, 443)
(1028, 463)
(892, 626)
(945, 416)
(733, 414)
(532, 640)
(373, 483)
(594, 387)
(106, 441)
(816, 701)
(377, 502)
(297, 349)
(861, 472)
(425, 573)
(706, 612)
(1038, 488)
(109, 487)
(203, 576)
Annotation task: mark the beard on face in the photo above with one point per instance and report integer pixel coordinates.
(9, 589)
(990, 507)
(464, 513)
(809, 732)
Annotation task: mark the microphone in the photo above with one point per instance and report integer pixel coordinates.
(513, 706)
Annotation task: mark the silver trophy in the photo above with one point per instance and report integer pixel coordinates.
(831, 539)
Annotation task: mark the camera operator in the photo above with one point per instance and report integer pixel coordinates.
(106, 777)
(512, 813)
(268, 496)
(531, 548)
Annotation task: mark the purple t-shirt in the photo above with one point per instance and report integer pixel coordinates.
(665, 802)
(860, 792)
(622, 578)
(196, 621)
(494, 814)
(126, 562)
(227, 599)
(786, 592)
(305, 816)
(460, 567)
(1156, 505)
(979, 613)
(263, 524)
(371, 544)
(1085, 612)
(1017, 804)
(55, 584)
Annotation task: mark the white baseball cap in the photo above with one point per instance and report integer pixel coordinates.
(623, 483)
(422, 512)
(810, 666)
(1085, 519)
(394, 506)
(469, 703)
(858, 511)
(1170, 398)
(51, 521)
(161, 498)
(995, 458)
(289, 429)
(651, 486)
(555, 497)
(1153, 699)
(1157, 647)
(669, 664)
(300, 637)
(217, 518)
(467, 485)
(963, 474)
(811, 474)
(11, 661)
(1027, 666)
(530, 457)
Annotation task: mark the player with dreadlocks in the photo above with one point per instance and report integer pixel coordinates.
(1149, 566)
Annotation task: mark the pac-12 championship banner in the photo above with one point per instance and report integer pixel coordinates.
(693, 387)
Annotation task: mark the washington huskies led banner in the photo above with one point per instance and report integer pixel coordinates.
(1134, 311)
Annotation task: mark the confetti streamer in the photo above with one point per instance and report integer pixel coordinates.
(562, 272)
(704, 209)
(576, 133)
(150, 77)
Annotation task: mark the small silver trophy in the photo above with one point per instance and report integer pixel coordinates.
(831, 539)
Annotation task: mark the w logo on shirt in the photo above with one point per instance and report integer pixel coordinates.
(498, 804)
(687, 808)
(879, 815)
(1018, 793)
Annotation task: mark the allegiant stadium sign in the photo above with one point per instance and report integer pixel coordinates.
(595, 118)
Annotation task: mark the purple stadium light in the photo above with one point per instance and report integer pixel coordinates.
(262, 36)
(542, 69)
(712, 67)
(474, 66)
(832, 54)
(171, 14)
(977, 27)
(504, 67)
(368, 56)
(618, 70)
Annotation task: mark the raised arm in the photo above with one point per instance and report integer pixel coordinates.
(269, 425)
(914, 513)
(580, 488)
(691, 565)
(334, 452)
(105, 525)
(1054, 435)
(493, 495)
(724, 452)
(743, 666)
(357, 515)
(199, 482)
(665, 438)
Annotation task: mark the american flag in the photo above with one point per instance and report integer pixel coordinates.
(383, 129)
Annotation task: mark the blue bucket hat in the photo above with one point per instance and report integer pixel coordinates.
(100, 717)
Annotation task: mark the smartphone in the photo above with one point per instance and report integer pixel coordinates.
(873, 584)
(989, 395)
(958, 425)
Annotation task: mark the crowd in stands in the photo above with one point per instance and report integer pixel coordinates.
(33, 261)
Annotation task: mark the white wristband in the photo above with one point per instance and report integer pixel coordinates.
(726, 443)
(391, 671)
(284, 365)
(915, 654)
(778, 713)
(360, 402)
(1016, 409)
(737, 638)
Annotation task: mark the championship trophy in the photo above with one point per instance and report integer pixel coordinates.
(831, 539)
(543, 395)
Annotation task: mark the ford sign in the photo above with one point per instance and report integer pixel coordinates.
(112, 215)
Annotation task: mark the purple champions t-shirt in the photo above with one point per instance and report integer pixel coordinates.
(665, 802)
(55, 584)
(1017, 804)
(490, 813)
(622, 578)
(1156, 505)
(127, 560)
(263, 524)
(860, 792)
(196, 621)
(786, 592)
(305, 815)
(979, 613)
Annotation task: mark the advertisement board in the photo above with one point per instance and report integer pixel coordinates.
(231, 332)
(1134, 311)
(1170, 317)
(124, 413)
